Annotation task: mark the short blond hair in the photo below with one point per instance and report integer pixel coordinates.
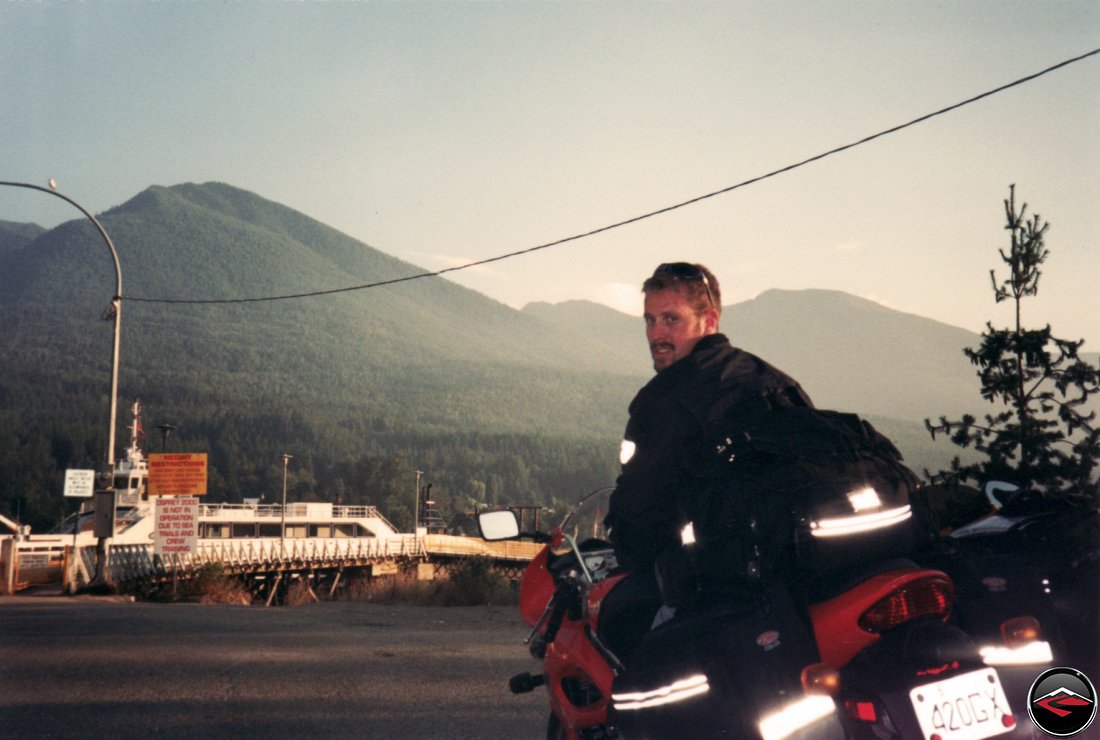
(693, 281)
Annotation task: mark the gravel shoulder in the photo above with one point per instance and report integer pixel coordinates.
(96, 667)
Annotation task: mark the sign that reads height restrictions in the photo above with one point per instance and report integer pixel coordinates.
(181, 474)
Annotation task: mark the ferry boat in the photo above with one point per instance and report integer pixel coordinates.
(28, 559)
(134, 510)
(226, 531)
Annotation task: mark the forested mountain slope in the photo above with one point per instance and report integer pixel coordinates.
(331, 378)
(364, 387)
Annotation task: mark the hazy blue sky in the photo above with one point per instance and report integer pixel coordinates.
(443, 132)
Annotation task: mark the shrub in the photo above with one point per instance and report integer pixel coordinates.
(474, 581)
(299, 592)
(212, 585)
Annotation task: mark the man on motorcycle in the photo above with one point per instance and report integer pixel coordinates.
(703, 384)
(779, 533)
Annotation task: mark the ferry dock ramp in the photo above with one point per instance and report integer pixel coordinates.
(321, 546)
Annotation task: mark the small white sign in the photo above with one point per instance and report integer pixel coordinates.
(177, 525)
(79, 483)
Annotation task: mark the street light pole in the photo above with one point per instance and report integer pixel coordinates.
(102, 577)
(416, 506)
(282, 542)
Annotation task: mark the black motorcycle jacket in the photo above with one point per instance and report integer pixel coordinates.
(669, 444)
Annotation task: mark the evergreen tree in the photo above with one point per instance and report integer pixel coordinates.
(1044, 438)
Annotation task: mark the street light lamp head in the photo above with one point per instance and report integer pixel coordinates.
(165, 431)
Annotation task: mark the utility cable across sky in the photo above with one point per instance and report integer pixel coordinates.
(642, 217)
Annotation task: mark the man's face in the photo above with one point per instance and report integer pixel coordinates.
(673, 326)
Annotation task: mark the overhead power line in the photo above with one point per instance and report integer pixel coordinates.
(644, 216)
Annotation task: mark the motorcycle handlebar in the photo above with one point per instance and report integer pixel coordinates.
(563, 596)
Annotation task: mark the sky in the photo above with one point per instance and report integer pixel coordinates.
(449, 132)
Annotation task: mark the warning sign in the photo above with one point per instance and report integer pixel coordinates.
(79, 483)
(177, 474)
(177, 526)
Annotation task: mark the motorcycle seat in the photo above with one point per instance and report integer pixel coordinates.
(823, 589)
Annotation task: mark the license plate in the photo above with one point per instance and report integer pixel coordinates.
(967, 707)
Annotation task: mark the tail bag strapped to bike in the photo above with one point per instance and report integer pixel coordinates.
(724, 671)
(803, 494)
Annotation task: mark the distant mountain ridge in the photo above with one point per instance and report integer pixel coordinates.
(424, 352)
(847, 352)
(214, 242)
(418, 365)
(15, 235)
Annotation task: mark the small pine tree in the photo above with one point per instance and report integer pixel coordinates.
(1045, 438)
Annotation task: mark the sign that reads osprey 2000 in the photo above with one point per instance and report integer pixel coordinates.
(177, 526)
(177, 474)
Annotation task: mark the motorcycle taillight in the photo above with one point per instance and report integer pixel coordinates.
(863, 711)
(924, 597)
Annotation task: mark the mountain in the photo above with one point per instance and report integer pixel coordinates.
(363, 386)
(422, 352)
(618, 334)
(15, 236)
(367, 386)
(847, 352)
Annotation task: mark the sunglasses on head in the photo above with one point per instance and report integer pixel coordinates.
(685, 271)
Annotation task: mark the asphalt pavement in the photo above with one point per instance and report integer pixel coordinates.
(98, 667)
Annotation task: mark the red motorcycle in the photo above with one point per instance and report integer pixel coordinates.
(880, 659)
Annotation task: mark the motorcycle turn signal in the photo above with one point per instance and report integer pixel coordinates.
(821, 678)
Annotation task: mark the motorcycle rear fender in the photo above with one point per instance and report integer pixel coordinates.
(916, 653)
(836, 621)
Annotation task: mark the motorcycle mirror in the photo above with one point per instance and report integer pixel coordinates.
(995, 491)
(498, 525)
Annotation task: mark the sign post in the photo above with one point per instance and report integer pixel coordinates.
(178, 479)
(78, 484)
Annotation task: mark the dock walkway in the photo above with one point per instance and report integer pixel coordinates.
(265, 563)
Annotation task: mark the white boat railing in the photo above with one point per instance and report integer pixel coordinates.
(336, 511)
(136, 561)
